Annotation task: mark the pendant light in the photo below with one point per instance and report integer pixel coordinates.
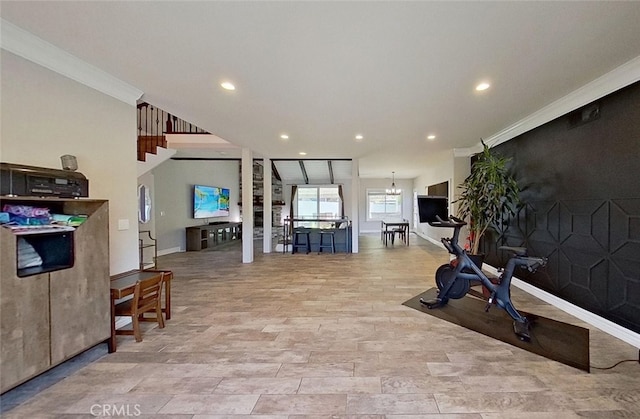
(393, 190)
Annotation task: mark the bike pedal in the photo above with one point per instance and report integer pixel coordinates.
(431, 303)
(522, 331)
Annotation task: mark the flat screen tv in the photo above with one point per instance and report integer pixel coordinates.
(429, 206)
(210, 201)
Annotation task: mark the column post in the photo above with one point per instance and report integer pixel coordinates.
(247, 206)
(267, 207)
(355, 196)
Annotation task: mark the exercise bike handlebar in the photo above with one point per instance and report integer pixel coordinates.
(451, 244)
(452, 222)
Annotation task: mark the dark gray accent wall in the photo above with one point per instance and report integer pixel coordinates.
(581, 193)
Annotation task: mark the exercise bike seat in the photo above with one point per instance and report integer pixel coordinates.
(518, 251)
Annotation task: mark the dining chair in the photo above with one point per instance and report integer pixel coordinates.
(146, 299)
(386, 234)
(402, 232)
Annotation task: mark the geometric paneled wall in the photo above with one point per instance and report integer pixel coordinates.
(581, 208)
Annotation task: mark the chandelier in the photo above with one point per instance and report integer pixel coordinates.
(393, 190)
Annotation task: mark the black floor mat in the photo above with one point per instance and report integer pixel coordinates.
(552, 339)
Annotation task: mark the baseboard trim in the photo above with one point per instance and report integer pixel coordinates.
(429, 239)
(170, 251)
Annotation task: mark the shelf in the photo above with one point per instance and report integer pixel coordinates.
(43, 229)
(211, 235)
(40, 270)
(273, 204)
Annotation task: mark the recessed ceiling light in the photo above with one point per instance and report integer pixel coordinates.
(359, 137)
(431, 137)
(482, 86)
(228, 85)
(284, 136)
(302, 153)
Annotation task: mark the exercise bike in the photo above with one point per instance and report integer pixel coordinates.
(455, 279)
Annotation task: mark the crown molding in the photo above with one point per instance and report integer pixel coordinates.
(620, 77)
(468, 151)
(30, 47)
(616, 79)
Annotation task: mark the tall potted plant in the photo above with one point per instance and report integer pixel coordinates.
(489, 194)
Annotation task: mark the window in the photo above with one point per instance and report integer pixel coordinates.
(315, 202)
(380, 205)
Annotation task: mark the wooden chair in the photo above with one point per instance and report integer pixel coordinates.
(402, 232)
(386, 235)
(146, 299)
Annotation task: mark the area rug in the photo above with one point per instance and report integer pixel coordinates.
(552, 339)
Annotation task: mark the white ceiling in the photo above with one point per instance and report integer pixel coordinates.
(323, 72)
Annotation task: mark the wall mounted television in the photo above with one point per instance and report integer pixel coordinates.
(431, 206)
(210, 201)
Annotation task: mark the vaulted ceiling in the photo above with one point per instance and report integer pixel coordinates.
(315, 172)
(323, 72)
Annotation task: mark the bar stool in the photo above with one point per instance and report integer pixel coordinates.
(297, 233)
(332, 241)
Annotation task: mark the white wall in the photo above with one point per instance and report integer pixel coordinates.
(407, 201)
(46, 115)
(441, 167)
(173, 191)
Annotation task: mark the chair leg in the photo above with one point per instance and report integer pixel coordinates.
(135, 323)
(159, 316)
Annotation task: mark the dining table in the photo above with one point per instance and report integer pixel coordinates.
(122, 285)
(389, 227)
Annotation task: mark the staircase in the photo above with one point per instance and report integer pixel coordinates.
(154, 124)
(150, 144)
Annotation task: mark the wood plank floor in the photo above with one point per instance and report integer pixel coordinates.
(327, 336)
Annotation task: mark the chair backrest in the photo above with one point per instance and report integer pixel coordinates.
(147, 294)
